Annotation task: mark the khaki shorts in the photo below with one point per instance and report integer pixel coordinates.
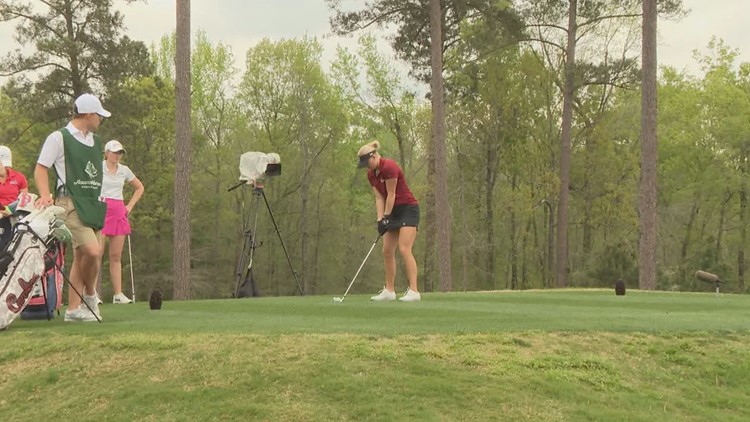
(82, 234)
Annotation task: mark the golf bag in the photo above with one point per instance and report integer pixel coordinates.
(22, 262)
(46, 298)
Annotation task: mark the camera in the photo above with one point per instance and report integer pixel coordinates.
(255, 166)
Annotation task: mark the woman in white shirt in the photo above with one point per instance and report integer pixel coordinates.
(116, 224)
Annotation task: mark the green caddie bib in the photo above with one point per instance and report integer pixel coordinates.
(83, 179)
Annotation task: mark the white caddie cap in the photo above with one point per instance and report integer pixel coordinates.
(114, 146)
(88, 103)
(6, 156)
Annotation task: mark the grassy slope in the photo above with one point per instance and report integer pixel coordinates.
(552, 355)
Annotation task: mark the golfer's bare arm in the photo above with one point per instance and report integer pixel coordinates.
(379, 203)
(41, 174)
(138, 186)
(390, 187)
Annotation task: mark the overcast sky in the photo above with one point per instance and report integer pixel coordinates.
(242, 23)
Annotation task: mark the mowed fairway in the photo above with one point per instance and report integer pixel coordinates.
(542, 355)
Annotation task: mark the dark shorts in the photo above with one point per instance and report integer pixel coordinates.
(406, 215)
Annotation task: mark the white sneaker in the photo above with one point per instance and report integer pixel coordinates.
(92, 301)
(410, 296)
(98, 299)
(79, 314)
(120, 298)
(384, 295)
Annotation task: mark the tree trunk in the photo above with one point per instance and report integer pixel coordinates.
(513, 251)
(442, 206)
(649, 151)
(722, 224)
(75, 72)
(588, 229)
(489, 221)
(463, 229)
(428, 274)
(307, 162)
(567, 123)
(540, 254)
(549, 277)
(741, 264)
(181, 264)
(530, 228)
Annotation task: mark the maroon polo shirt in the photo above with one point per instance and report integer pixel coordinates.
(12, 186)
(388, 169)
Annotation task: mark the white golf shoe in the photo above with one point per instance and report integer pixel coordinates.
(93, 302)
(384, 294)
(120, 298)
(79, 314)
(410, 296)
(98, 299)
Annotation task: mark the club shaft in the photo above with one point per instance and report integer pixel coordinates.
(132, 279)
(360, 267)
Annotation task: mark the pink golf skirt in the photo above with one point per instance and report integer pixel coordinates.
(116, 221)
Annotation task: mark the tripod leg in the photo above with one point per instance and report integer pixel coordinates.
(289, 259)
(245, 265)
(241, 263)
(249, 286)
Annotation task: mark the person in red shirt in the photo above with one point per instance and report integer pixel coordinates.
(12, 183)
(398, 219)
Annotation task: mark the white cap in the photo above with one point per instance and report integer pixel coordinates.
(114, 146)
(6, 156)
(88, 103)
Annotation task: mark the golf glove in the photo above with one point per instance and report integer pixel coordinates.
(383, 224)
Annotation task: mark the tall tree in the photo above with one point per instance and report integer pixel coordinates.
(76, 46)
(567, 123)
(649, 149)
(442, 205)
(183, 155)
(595, 14)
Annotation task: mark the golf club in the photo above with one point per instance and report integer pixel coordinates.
(132, 280)
(341, 299)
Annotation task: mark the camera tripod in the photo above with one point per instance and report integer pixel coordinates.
(245, 282)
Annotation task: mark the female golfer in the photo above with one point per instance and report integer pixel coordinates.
(116, 224)
(398, 219)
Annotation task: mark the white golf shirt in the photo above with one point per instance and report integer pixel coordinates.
(53, 151)
(112, 183)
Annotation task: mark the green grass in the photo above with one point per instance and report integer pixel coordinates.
(547, 355)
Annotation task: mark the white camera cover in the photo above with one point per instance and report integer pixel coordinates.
(253, 165)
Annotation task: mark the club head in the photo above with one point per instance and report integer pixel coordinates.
(338, 299)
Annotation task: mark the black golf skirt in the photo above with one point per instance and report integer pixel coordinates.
(406, 215)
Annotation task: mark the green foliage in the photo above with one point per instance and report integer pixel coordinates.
(141, 109)
(412, 38)
(77, 47)
(610, 263)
